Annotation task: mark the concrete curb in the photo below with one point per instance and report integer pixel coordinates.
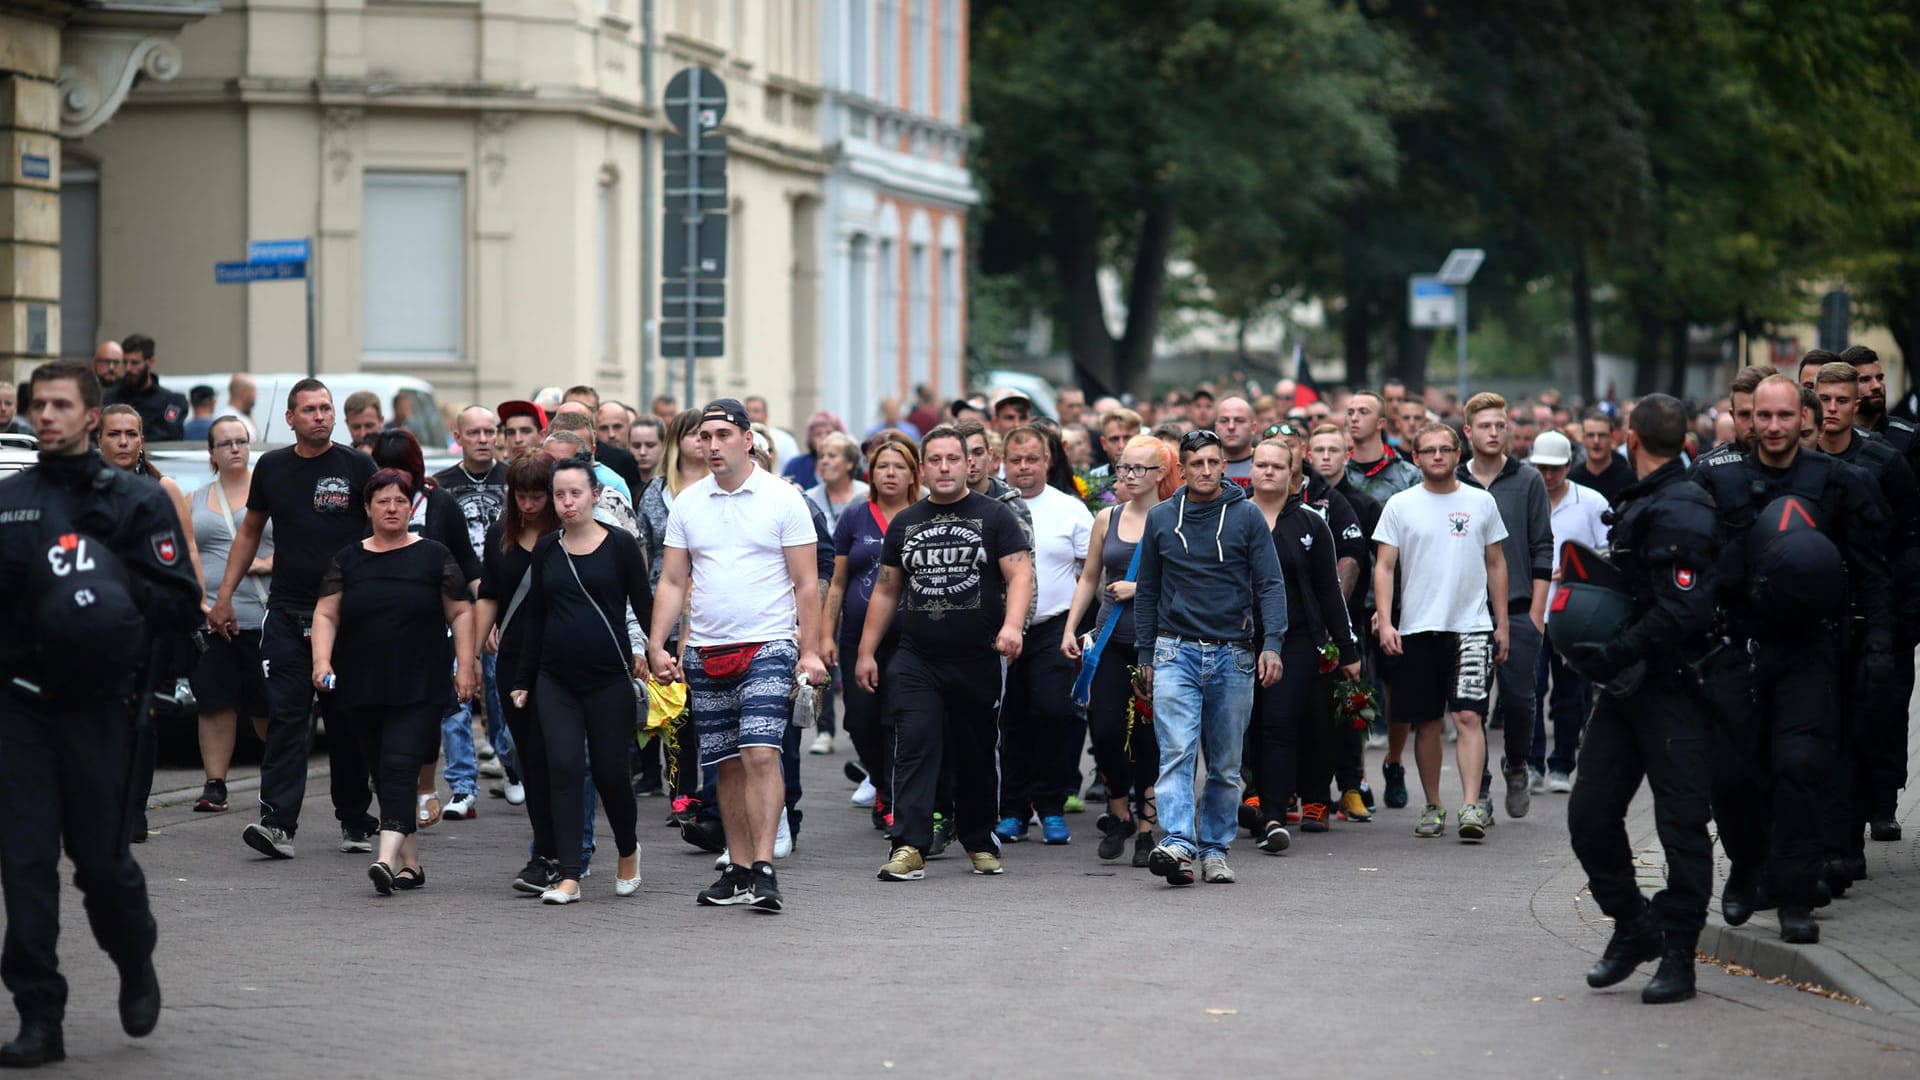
(178, 796)
(1758, 948)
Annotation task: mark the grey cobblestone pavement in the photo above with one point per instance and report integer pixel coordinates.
(1362, 952)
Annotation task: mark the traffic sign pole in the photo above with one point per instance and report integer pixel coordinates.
(1460, 337)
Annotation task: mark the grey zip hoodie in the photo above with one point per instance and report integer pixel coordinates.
(1203, 565)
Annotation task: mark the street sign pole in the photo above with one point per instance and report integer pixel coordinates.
(693, 219)
(1460, 336)
(312, 330)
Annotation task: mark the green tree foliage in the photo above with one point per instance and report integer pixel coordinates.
(1108, 125)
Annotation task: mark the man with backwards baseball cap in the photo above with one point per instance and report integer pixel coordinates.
(745, 542)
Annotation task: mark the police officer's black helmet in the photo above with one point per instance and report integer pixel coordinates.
(90, 637)
(1592, 603)
(1794, 572)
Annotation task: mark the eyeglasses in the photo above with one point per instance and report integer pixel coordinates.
(1135, 470)
(1194, 440)
(1435, 451)
(232, 444)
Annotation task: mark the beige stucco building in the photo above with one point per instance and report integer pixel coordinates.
(480, 180)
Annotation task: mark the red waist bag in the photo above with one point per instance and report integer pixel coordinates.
(727, 661)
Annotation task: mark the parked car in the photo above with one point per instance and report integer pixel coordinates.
(270, 410)
(17, 452)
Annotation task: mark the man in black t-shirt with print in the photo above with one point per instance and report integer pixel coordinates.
(313, 494)
(957, 567)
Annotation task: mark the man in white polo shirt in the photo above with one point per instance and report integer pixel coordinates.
(746, 540)
(1043, 739)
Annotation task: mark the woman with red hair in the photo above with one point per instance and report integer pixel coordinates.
(1126, 753)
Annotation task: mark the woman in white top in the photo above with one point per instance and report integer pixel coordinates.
(838, 488)
(227, 678)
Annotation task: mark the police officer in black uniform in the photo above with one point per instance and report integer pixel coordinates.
(1890, 748)
(1873, 740)
(93, 565)
(1650, 718)
(1805, 536)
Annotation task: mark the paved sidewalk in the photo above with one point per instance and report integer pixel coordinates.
(1869, 939)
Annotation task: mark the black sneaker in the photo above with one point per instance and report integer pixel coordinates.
(213, 798)
(1113, 836)
(707, 835)
(140, 831)
(853, 770)
(536, 877)
(944, 831)
(764, 894)
(355, 841)
(1396, 777)
(734, 887)
(1142, 849)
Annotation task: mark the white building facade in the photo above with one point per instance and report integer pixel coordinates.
(894, 232)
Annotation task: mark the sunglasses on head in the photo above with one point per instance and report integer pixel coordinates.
(1289, 430)
(1194, 440)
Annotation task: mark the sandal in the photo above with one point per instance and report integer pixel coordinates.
(410, 877)
(382, 877)
(429, 814)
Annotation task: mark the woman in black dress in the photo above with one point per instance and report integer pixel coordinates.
(381, 630)
(500, 621)
(576, 668)
(437, 516)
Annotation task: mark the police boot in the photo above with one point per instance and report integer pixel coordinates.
(139, 998)
(1797, 926)
(1633, 944)
(1739, 898)
(1885, 826)
(1674, 981)
(1834, 875)
(39, 1042)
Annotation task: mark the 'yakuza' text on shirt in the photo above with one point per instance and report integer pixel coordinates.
(952, 596)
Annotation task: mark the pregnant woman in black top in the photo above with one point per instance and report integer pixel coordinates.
(506, 581)
(380, 628)
(575, 670)
(1293, 719)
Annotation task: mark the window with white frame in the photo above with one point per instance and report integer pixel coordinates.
(950, 359)
(887, 339)
(413, 252)
(950, 60)
(889, 52)
(919, 28)
(859, 41)
(919, 358)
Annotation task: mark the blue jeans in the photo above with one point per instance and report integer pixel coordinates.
(1202, 702)
(1571, 699)
(456, 742)
(497, 732)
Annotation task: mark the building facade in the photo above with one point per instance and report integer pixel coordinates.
(896, 203)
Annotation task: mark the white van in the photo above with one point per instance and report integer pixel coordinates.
(270, 409)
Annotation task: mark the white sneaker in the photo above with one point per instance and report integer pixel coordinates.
(1377, 741)
(516, 794)
(722, 861)
(1559, 783)
(1536, 781)
(783, 840)
(822, 744)
(462, 808)
(492, 769)
(864, 794)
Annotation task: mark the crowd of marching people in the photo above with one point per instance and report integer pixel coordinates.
(1227, 596)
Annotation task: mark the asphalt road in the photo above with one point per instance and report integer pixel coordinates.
(1360, 953)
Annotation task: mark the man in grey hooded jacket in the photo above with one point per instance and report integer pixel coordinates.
(1205, 559)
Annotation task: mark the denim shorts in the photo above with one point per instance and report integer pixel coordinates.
(753, 710)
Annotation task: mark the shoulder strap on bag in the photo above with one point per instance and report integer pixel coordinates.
(519, 594)
(626, 661)
(1090, 661)
(226, 521)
